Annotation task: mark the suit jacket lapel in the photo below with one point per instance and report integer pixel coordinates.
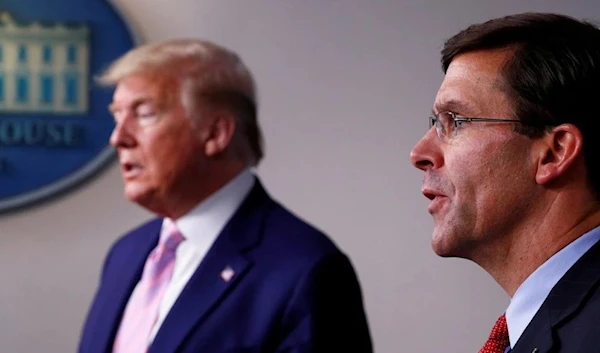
(538, 334)
(223, 267)
(566, 297)
(127, 272)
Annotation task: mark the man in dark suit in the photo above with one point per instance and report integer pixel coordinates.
(512, 168)
(224, 267)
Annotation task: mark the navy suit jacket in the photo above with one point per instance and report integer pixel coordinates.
(569, 319)
(293, 290)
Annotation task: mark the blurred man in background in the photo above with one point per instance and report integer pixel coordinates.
(223, 267)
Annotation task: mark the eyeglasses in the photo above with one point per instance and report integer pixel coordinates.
(447, 123)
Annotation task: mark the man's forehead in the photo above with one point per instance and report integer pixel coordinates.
(460, 96)
(144, 88)
(470, 81)
(486, 60)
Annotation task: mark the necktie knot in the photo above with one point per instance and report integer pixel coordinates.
(172, 236)
(498, 339)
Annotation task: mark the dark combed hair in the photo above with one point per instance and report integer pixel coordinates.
(552, 76)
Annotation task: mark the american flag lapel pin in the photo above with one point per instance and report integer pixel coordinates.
(227, 274)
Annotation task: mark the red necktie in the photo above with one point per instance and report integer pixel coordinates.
(498, 340)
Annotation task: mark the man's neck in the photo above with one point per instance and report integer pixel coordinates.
(535, 243)
(180, 204)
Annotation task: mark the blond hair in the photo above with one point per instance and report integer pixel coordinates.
(208, 72)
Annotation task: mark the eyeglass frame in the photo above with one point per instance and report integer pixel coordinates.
(434, 120)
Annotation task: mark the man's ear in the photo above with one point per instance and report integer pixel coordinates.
(218, 132)
(559, 148)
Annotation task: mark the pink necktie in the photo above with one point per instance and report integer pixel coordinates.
(498, 340)
(142, 309)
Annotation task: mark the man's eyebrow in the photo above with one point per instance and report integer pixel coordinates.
(114, 106)
(455, 106)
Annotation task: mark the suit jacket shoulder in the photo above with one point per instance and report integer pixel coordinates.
(289, 288)
(569, 319)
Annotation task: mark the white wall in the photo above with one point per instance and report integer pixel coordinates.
(345, 89)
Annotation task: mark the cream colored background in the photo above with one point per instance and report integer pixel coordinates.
(345, 87)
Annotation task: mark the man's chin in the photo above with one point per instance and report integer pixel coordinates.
(448, 245)
(442, 246)
(137, 194)
(441, 252)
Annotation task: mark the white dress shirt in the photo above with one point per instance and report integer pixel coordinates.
(200, 228)
(532, 293)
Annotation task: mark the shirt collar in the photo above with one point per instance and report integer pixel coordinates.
(532, 293)
(205, 221)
